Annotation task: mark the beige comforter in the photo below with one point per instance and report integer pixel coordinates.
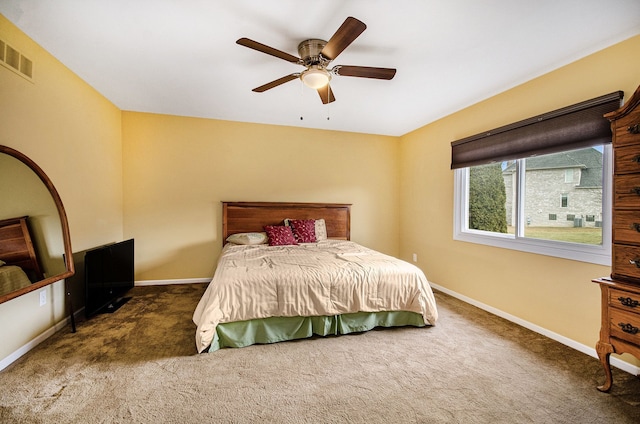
(330, 277)
(12, 278)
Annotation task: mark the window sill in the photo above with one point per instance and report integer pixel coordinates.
(600, 255)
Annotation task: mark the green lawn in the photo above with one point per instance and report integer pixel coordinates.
(585, 235)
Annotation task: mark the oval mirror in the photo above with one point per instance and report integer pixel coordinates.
(35, 247)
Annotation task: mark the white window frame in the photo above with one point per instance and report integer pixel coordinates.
(596, 254)
(570, 175)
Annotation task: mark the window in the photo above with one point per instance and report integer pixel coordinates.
(568, 175)
(506, 205)
(507, 192)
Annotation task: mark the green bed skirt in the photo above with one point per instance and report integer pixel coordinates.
(277, 329)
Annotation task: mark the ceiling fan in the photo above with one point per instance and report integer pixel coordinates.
(315, 56)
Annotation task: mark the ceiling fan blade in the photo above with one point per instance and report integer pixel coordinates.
(365, 72)
(268, 50)
(326, 94)
(275, 83)
(350, 29)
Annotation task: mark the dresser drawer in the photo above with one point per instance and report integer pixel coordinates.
(626, 190)
(624, 300)
(627, 129)
(626, 226)
(627, 159)
(625, 325)
(625, 262)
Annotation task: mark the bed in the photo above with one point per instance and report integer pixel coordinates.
(322, 283)
(19, 265)
(12, 278)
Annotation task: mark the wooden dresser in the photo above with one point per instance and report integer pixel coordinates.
(620, 327)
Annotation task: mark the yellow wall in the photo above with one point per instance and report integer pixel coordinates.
(177, 170)
(73, 134)
(552, 293)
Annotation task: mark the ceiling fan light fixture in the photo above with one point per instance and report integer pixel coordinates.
(315, 77)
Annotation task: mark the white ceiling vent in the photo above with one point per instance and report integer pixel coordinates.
(12, 59)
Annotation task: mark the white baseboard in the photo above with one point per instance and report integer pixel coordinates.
(616, 362)
(5, 362)
(168, 282)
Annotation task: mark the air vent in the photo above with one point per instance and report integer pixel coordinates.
(16, 61)
(26, 66)
(12, 57)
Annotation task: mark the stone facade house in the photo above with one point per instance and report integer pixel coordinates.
(562, 189)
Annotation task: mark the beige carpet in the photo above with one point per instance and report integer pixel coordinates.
(140, 365)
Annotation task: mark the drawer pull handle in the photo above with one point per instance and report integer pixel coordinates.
(636, 190)
(635, 262)
(634, 129)
(627, 301)
(628, 328)
(636, 159)
(636, 226)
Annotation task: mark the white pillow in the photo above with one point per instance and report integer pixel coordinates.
(321, 230)
(248, 238)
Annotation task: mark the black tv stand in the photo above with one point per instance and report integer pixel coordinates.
(114, 306)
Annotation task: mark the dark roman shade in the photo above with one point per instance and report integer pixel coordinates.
(572, 127)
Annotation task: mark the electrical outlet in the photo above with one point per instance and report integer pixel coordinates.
(415, 257)
(43, 297)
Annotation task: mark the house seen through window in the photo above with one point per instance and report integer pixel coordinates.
(493, 196)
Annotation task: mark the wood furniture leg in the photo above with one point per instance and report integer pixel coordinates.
(604, 352)
(71, 311)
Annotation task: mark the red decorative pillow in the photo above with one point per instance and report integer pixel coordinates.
(280, 235)
(304, 230)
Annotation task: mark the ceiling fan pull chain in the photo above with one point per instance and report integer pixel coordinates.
(301, 99)
(328, 103)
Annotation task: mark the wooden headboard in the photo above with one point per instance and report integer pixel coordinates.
(16, 247)
(246, 217)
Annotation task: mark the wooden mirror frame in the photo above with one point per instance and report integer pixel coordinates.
(68, 257)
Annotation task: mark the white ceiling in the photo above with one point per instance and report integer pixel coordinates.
(180, 57)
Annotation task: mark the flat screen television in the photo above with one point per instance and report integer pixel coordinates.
(108, 276)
